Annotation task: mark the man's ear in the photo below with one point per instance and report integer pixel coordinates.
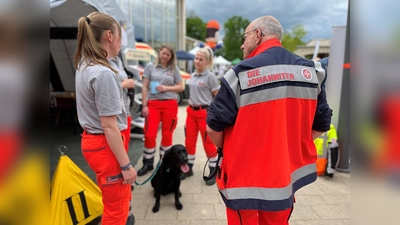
(259, 38)
(258, 41)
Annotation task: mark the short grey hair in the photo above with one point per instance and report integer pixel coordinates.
(269, 25)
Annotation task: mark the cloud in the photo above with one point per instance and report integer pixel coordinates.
(317, 17)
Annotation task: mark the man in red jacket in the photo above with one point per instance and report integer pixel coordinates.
(269, 109)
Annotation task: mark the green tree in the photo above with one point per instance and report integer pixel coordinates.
(291, 39)
(195, 27)
(234, 28)
(219, 51)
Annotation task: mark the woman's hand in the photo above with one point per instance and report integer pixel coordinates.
(178, 87)
(161, 88)
(129, 176)
(145, 111)
(128, 83)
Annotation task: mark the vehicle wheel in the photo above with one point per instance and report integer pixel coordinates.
(179, 97)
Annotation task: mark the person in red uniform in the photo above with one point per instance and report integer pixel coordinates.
(203, 87)
(126, 84)
(102, 115)
(269, 109)
(161, 81)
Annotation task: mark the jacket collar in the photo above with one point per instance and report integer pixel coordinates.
(264, 46)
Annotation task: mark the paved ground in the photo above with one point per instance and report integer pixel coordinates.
(325, 202)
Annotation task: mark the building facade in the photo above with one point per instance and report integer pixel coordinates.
(307, 51)
(191, 43)
(157, 21)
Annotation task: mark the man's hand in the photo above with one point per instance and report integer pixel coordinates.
(316, 134)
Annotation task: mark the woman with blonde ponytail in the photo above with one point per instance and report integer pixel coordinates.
(203, 87)
(102, 114)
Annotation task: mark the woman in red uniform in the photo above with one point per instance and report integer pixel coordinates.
(102, 114)
(161, 81)
(203, 87)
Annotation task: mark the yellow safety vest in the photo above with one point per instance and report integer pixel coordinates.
(322, 143)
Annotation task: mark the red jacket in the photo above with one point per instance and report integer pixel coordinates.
(267, 110)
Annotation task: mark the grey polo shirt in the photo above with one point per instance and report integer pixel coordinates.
(163, 76)
(117, 64)
(98, 93)
(201, 88)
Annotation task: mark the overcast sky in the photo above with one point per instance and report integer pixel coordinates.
(317, 17)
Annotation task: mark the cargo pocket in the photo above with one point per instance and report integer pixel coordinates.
(93, 143)
(146, 126)
(173, 124)
(114, 192)
(112, 179)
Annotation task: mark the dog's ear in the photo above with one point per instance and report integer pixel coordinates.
(184, 149)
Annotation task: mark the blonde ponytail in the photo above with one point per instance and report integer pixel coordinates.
(90, 31)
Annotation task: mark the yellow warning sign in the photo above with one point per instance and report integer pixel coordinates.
(75, 198)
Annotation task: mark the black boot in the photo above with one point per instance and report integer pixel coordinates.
(328, 174)
(147, 166)
(130, 220)
(145, 169)
(212, 180)
(189, 173)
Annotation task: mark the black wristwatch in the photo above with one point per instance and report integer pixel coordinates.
(126, 167)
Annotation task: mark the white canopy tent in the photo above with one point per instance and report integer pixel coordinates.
(64, 16)
(221, 61)
(194, 50)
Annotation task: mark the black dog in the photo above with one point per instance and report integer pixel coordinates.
(168, 177)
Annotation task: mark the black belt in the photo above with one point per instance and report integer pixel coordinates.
(94, 133)
(162, 99)
(200, 107)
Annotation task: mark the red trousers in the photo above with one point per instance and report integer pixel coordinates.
(257, 217)
(116, 196)
(11, 143)
(164, 111)
(127, 133)
(195, 122)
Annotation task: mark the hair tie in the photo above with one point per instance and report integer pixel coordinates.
(87, 19)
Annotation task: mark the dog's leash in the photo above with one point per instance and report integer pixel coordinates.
(217, 167)
(152, 175)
